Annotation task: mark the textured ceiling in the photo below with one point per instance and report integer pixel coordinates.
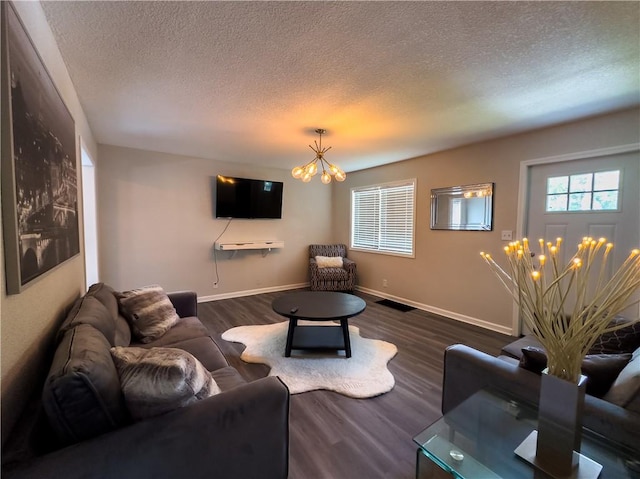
(249, 81)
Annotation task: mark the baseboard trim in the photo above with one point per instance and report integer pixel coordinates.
(440, 312)
(424, 307)
(251, 292)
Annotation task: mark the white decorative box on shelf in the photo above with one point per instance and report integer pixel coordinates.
(238, 245)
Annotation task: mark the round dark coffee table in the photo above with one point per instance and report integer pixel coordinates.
(318, 306)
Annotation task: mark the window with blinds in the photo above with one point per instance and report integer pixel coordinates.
(383, 218)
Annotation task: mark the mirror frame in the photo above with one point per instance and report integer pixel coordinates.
(440, 195)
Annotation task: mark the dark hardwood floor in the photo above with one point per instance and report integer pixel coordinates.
(336, 437)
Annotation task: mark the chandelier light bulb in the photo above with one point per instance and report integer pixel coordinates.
(341, 175)
(297, 172)
(306, 178)
(325, 178)
(333, 169)
(313, 169)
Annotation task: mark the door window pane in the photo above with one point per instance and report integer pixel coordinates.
(598, 191)
(606, 180)
(579, 201)
(581, 182)
(605, 200)
(559, 184)
(557, 203)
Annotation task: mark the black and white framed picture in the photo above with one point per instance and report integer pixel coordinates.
(39, 170)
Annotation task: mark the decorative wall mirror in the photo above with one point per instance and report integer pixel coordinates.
(468, 207)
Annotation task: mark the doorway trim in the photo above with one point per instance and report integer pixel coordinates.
(523, 193)
(89, 220)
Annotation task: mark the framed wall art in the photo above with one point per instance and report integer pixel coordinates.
(39, 169)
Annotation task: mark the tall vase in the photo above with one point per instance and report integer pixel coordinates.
(559, 424)
(555, 447)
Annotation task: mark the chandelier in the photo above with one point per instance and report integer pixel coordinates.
(306, 172)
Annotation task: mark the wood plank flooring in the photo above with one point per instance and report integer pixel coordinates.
(336, 437)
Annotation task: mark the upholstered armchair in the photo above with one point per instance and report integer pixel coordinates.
(327, 272)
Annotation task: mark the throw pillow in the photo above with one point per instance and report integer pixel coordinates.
(601, 369)
(329, 261)
(533, 359)
(149, 312)
(624, 340)
(158, 380)
(626, 387)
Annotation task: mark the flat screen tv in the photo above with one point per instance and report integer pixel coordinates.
(247, 198)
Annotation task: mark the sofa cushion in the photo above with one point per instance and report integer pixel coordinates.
(123, 331)
(149, 312)
(82, 397)
(88, 310)
(185, 328)
(600, 369)
(624, 340)
(625, 391)
(205, 350)
(106, 295)
(227, 378)
(158, 380)
(337, 274)
(514, 348)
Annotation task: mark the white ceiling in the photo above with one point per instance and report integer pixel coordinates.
(249, 81)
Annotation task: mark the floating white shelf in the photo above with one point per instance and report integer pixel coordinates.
(235, 246)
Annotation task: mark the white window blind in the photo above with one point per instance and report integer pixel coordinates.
(382, 218)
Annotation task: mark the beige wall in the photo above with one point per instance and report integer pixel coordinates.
(157, 225)
(447, 274)
(27, 319)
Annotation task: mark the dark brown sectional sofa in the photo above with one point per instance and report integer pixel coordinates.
(84, 430)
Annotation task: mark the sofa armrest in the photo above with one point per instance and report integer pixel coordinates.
(612, 422)
(467, 370)
(185, 302)
(243, 432)
(349, 265)
(313, 267)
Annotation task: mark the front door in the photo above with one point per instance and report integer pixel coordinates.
(596, 197)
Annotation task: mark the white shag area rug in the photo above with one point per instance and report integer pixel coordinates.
(363, 375)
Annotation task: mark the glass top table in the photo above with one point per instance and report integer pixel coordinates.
(477, 439)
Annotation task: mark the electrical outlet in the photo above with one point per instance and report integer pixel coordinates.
(385, 283)
(507, 235)
(215, 285)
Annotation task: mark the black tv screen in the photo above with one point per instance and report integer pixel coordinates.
(247, 198)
